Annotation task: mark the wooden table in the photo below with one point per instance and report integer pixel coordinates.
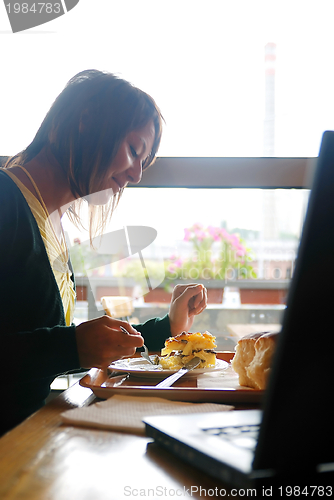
(42, 459)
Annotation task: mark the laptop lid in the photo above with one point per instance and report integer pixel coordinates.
(298, 418)
(296, 429)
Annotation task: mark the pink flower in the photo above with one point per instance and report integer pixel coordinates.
(242, 248)
(214, 233)
(224, 234)
(234, 240)
(187, 235)
(200, 235)
(240, 253)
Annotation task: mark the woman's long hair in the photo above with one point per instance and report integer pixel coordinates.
(84, 129)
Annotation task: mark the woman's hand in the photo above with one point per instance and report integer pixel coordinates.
(101, 341)
(187, 301)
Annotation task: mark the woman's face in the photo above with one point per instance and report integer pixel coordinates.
(126, 167)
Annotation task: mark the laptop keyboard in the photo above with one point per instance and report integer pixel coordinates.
(244, 436)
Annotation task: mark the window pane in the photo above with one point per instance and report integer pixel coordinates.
(238, 242)
(204, 63)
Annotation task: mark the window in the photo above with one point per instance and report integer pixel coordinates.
(246, 93)
(269, 221)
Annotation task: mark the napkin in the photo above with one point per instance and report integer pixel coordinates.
(222, 379)
(125, 413)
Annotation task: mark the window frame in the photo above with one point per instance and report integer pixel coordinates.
(229, 172)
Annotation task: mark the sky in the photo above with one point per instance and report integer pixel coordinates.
(203, 62)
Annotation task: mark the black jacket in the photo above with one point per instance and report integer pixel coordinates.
(35, 344)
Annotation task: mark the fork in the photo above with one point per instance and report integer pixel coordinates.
(144, 353)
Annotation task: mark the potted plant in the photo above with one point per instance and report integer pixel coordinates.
(231, 260)
(217, 256)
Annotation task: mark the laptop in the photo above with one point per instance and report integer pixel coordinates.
(291, 437)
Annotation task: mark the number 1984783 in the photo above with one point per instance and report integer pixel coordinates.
(35, 8)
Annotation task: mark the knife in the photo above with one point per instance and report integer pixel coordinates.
(193, 363)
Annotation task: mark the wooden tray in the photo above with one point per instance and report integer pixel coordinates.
(215, 387)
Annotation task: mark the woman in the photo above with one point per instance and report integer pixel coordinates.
(99, 135)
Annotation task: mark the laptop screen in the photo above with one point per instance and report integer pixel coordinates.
(298, 409)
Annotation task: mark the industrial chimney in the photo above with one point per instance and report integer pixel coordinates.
(269, 111)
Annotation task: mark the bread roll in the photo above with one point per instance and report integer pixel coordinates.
(252, 359)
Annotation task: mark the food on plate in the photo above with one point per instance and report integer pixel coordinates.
(182, 348)
(252, 359)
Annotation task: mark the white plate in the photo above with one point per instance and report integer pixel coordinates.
(142, 368)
